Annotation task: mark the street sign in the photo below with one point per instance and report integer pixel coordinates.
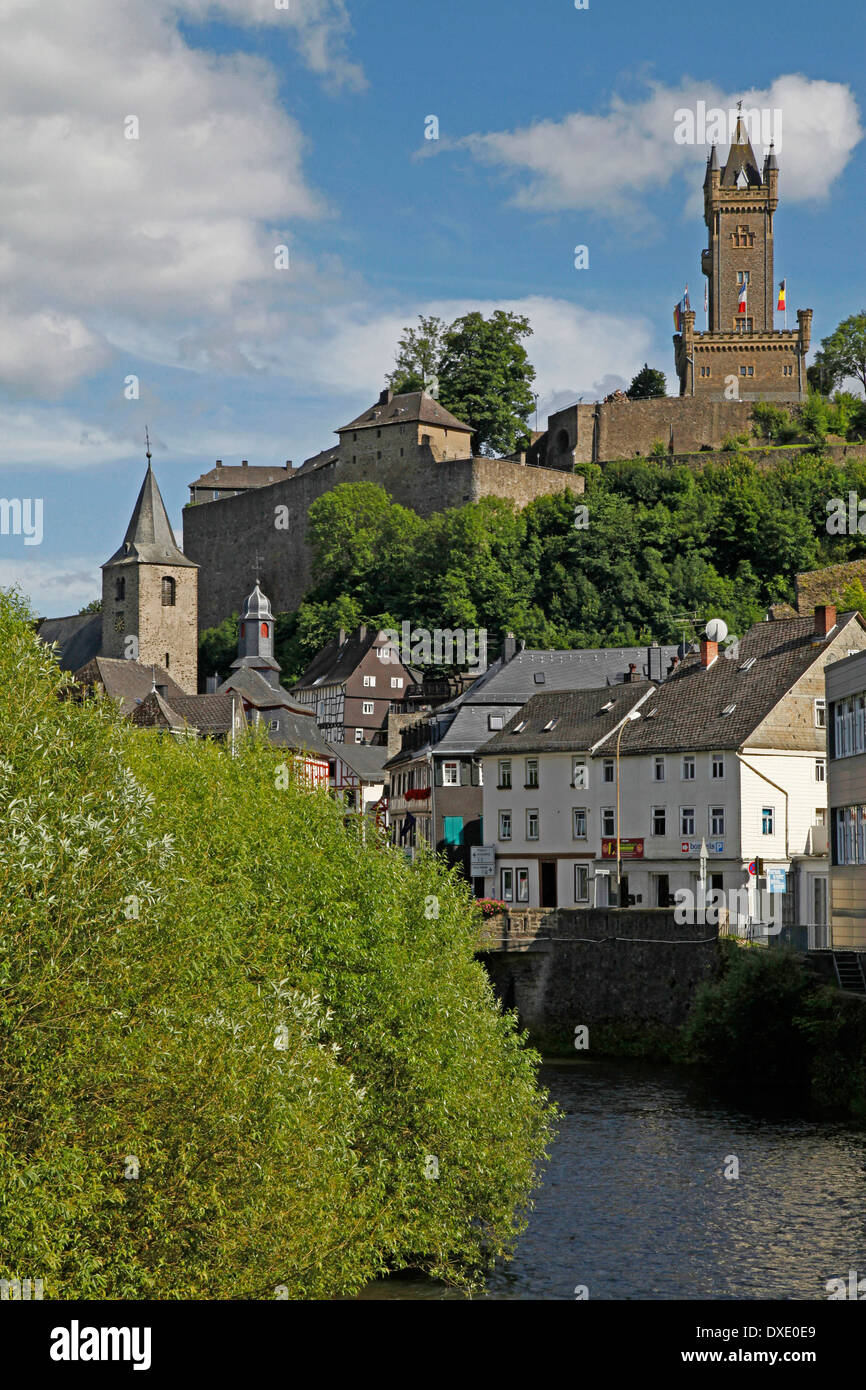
(482, 861)
(777, 881)
(753, 868)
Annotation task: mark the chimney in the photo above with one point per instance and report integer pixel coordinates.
(362, 632)
(709, 652)
(673, 664)
(825, 618)
(219, 463)
(244, 463)
(288, 465)
(386, 396)
(632, 673)
(509, 647)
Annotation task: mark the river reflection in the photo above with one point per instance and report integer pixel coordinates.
(634, 1204)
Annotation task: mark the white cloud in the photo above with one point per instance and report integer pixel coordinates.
(609, 162)
(176, 227)
(320, 29)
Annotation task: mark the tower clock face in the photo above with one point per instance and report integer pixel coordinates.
(118, 622)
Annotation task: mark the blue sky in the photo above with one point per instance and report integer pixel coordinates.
(305, 127)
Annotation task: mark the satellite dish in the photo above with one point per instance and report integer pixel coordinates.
(717, 630)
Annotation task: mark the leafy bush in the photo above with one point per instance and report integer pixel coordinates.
(232, 1037)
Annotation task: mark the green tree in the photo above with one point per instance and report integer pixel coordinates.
(94, 606)
(218, 648)
(648, 384)
(773, 422)
(418, 356)
(485, 379)
(843, 354)
(232, 1034)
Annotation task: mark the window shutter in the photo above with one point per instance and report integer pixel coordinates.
(475, 773)
(437, 773)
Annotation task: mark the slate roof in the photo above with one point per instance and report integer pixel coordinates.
(740, 156)
(366, 760)
(319, 460)
(78, 638)
(149, 538)
(415, 407)
(299, 732)
(336, 662)
(691, 700)
(259, 692)
(588, 667)
(240, 477)
(127, 682)
(211, 715)
(579, 716)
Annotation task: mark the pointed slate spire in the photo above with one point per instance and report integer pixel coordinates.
(741, 159)
(714, 157)
(149, 539)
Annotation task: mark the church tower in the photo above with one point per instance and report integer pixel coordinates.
(150, 593)
(256, 638)
(741, 355)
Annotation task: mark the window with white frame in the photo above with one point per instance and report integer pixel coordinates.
(607, 770)
(717, 766)
(688, 769)
(659, 820)
(578, 823)
(579, 773)
(532, 772)
(505, 825)
(687, 820)
(367, 707)
(505, 774)
(658, 769)
(820, 770)
(717, 820)
(532, 824)
(581, 883)
(768, 820)
(451, 774)
(820, 714)
(396, 682)
(359, 735)
(608, 822)
(523, 885)
(369, 680)
(506, 878)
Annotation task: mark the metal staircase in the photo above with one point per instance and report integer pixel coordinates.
(849, 971)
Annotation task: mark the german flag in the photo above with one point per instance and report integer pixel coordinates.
(781, 304)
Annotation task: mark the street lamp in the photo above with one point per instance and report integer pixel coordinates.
(632, 714)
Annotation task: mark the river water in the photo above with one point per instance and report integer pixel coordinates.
(635, 1204)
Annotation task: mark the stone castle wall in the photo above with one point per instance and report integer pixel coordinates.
(224, 537)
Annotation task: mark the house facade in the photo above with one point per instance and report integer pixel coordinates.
(350, 685)
(846, 791)
(718, 784)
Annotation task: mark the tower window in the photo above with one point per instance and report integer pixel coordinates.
(264, 629)
(169, 588)
(167, 661)
(120, 589)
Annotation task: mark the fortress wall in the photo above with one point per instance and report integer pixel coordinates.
(223, 537)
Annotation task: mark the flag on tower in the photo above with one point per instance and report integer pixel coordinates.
(706, 300)
(686, 304)
(678, 318)
(780, 306)
(743, 290)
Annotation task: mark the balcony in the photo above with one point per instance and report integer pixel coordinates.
(817, 841)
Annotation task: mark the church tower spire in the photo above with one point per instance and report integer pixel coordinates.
(150, 592)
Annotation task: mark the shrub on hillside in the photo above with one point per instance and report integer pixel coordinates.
(232, 1037)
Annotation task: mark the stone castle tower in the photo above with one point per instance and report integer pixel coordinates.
(150, 593)
(742, 356)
